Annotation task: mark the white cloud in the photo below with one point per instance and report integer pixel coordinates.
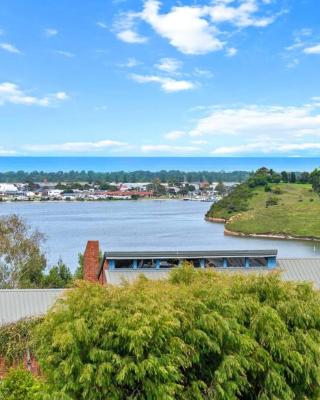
(10, 48)
(203, 73)
(241, 16)
(131, 36)
(102, 25)
(50, 32)
(258, 129)
(75, 147)
(11, 93)
(195, 29)
(231, 52)
(199, 142)
(256, 120)
(61, 96)
(168, 85)
(169, 65)
(265, 148)
(185, 27)
(66, 54)
(163, 148)
(174, 135)
(6, 152)
(130, 63)
(312, 50)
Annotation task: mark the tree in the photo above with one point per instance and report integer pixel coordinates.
(221, 188)
(315, 180)
(284, 177)
(59, 276)
(304, 177)
(21, 259)
(79, 271)
(199, 335)
(20, 384)
(292, 177)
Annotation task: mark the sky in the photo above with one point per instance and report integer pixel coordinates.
(159, 78)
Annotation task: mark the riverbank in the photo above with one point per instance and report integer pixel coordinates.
(293, 214)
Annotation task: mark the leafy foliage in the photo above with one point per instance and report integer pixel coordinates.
(21, 259)
(238, 200)
(59, 276)
(15, 339)
(20, 384)
(315, 180)
(122, 176)
(200, 335)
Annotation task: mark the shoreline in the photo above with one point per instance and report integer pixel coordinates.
(90, 201)
(276, 236)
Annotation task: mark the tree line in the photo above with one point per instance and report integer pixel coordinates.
(123, 176)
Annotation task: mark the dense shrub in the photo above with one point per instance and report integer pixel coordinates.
(200, 335)
(235, 202)
(272, 201)
(277, 190)
(238, 200)
(20, 384)
(15, 339)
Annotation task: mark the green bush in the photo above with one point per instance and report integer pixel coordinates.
(200, 335)
(15, 339)
(20, 384)
(277, 190)
(272, 201)
(267, 188)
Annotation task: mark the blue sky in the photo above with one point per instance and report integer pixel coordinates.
(134, 77)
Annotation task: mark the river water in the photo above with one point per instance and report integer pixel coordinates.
(138, 225)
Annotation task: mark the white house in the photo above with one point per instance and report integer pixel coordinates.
(8, 188)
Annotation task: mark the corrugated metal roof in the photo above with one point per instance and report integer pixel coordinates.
(124, 255)
(301, 270)
(294, 269)
(16, 304)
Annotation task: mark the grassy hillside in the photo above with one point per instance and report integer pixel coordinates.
(289, 209)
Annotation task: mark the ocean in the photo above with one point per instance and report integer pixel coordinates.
(109, 164)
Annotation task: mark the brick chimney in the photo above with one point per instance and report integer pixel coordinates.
(91, 261)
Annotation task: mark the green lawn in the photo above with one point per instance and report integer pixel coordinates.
(297, 213)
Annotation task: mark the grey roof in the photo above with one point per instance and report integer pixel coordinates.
(124, 255)
(301, 270)
(293, 269)
(16, 304)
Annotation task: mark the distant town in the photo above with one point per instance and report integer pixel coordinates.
(66, 191)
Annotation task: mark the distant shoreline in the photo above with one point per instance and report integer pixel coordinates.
(276, 236)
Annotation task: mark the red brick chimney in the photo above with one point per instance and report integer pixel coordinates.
(91, 261)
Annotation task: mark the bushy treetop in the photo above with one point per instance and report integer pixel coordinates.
(199, 335)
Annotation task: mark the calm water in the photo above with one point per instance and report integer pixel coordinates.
(138, 225)
(106, 164)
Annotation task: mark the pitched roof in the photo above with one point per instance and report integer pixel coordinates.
(16, 304)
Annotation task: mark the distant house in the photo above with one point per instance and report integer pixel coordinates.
(8, 189)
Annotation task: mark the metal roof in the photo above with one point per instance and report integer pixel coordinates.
(131, 255)
(16, 304)
(293, 269)
(301, 270)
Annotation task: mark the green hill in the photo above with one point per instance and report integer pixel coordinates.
(272, 208)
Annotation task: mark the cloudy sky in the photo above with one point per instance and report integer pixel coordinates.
(149, 77)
